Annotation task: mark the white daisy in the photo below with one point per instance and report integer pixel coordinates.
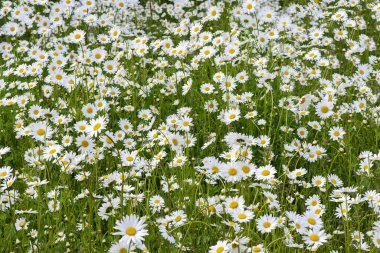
(131, 227)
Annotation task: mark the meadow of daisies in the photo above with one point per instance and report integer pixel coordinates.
(222, 126)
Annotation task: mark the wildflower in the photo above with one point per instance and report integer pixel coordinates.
(324, 109)
(122, 247)
(96, 126)
(266, 223)
(231, 116)
(315, 237)
(132, 229)
(77, 36)
(220, 247)
(336, 133)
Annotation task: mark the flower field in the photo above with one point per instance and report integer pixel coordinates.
(221, 126)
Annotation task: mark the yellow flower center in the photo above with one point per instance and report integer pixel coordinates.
(311, 221)
(314, 237)
(41, 131)
(123, 250)
(324, 109)
(131, 231)
(97, 126)
(246, 169)
(267, 224)
(256, 249)
(232, 171)
(219, 250)
(234, 204)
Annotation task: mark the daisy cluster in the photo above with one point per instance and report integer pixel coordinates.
(201, 126)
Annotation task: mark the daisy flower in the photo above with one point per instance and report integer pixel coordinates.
(5, 172)
(128, 158)
(315, 237)
(318, 181)
(156, 203)
(220, 247)
(231, 115)
(77, 36)
(241, 77)
(231, 51)
(263, 141)
(302, 132)
(336, 133)
(376, 239)
(214, 13)
(122, 247)
(249, 6)
(266, 223)
(312, 220)
(360, 105)
(242, 216)
(335, 180)
(247, 169)
(207, 88)
(207, 52)
(98, 55)
(178, 218)
(258, 248)
(315, 125)
(52, 152)
(85, 143)
(230, 172)
(179, 160)
(40, 131)
(54, 205)
(211, 105)
(131, 228)
(233, 203)
(81, 126)
(266, 172)
(219, 77)
(96, 126)
(89, 111)
(21, 224)
(324, 109)
(313, 200)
